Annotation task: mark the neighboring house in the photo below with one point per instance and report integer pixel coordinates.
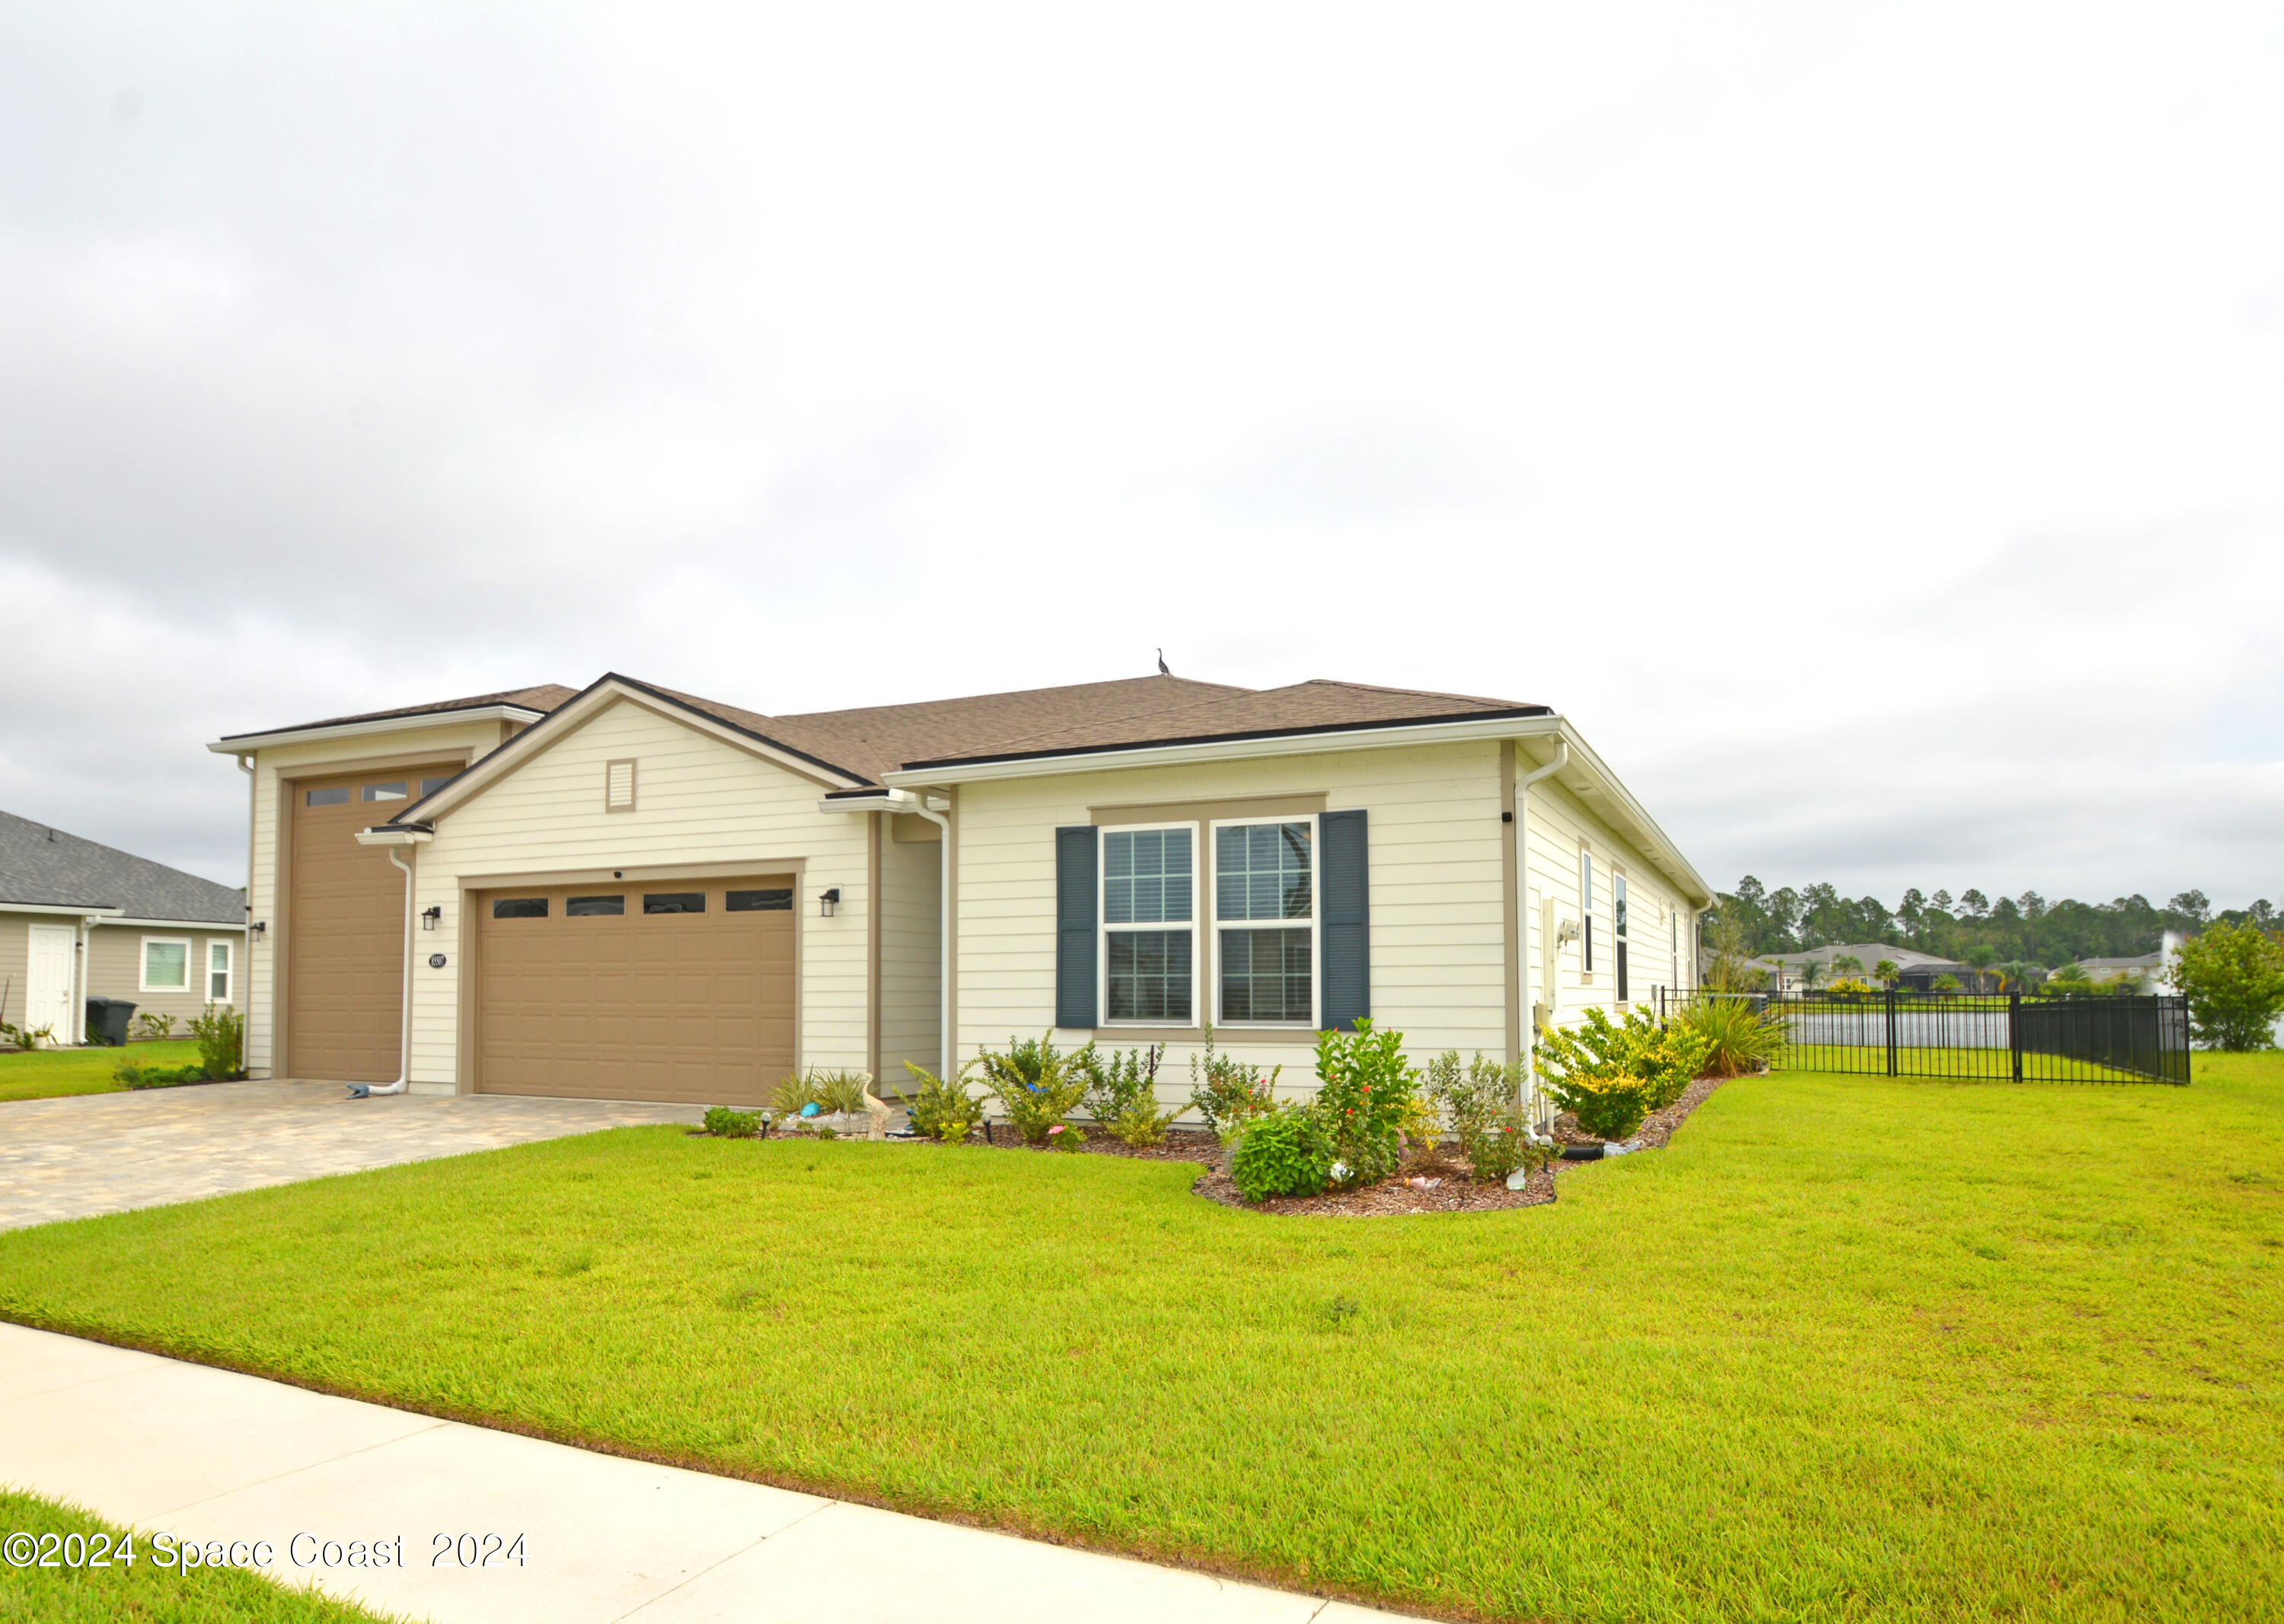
(1915, 969)
(626, 892)
(2156, 968)
(80, 920)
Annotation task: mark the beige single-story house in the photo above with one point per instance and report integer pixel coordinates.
(80, 920)
(625, 892)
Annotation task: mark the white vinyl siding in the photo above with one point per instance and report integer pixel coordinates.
(1438, 941)
(1568, 849)
(704, 800)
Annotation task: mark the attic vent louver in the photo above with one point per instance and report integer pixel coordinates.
(619, 787)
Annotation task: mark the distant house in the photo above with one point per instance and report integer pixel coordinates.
(1787, 971)
(81, 920)
(2156, 968)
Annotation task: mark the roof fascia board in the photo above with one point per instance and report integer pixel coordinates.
(85, 909)
(572, 714)
(1656, 845)
(385, 836)
(245, 744)
(175, 924)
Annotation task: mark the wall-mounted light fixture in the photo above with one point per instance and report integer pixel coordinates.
(432, 918)
(258, 926)
(826, 904)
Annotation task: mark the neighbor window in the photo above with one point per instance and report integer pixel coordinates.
(337, 796)
(675, 902)
(1586, 907)
(218, 971)
(1149, 925)
(165, 966)
(757, 901)
(520, 907)
(1264, 918)
(593, 906)
(385, 791)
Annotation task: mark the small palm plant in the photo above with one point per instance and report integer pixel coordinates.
(1885, 972)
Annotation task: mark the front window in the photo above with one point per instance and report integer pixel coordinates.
(218, 971)
(1264, 915)
(1149, 925)
(165, 966)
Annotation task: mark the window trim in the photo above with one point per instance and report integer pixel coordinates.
(228, 970)
(1315, 922)
(1585, 913)
(1621, 962)
(1103, 928)
(142, 964)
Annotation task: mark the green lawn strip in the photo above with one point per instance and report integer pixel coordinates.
(141, 1592)
(1848, 1348)
(50, 1072)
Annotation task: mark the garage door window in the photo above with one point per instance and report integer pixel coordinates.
(385, 791)
(337, 796)
(758, 902)
(673, 901)
(520, 907)
(594, 907)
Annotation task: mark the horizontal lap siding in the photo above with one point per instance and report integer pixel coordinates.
(1557, 822)
(1438, 922)
(911, 902)
(115, 969)
(265, 882)
(699, 800)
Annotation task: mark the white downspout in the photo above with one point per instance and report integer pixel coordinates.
(366, 1090)
(943, 925)
(1522, 899)
(246, 936)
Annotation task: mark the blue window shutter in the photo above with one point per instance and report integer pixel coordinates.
(1075, 898)
(1344, 885)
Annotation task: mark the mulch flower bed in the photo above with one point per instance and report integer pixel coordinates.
(1455, 1190)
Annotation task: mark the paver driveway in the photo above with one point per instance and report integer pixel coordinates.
(107, 1152)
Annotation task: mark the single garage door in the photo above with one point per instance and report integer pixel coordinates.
(675, 990)
(345, 925)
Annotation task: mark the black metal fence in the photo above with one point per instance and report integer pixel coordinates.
(2011, 1038)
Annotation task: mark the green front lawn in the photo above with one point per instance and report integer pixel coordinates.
(140, 1591)
(1850, 1349)
(53, 1072)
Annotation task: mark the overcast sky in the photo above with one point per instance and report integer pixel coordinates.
(1866, 423)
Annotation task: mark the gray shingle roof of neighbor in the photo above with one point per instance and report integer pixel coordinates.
(1870, 952)
(40, 864)
(2139, 961)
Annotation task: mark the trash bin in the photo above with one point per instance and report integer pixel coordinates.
(106, 1020)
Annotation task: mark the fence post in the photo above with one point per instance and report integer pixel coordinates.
(2015, 1031)
(1891, 1032)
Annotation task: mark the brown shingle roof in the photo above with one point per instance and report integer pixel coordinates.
(546, 696)
(1317, 706)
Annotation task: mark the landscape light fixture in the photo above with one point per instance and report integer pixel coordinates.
(826, 904)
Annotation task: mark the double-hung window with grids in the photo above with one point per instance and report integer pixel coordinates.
(1149, 924)
(1265, 921)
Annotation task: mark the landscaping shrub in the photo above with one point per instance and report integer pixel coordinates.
(1228, 1092)
(220, 1032)
(840, 1091)
(155, 1026)
(1737, 1040)
(129, 1075)
(2233, 976)
(792, 1094)
(1611, 1075)
(1065, 1136)
(1122, 1093)
(1279, 1153)
(724, 1123)
(27, 1038)
(1506, 1146)
(945, 1112)
(1364, 1091)
(1037, 1085)
(1484, 1104)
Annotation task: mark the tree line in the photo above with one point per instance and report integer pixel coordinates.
(2026, 928)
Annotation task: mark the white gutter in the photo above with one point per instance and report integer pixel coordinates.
(84, 910)
(394, 838)
(239, 743)
(1521, 901)
(904, 800)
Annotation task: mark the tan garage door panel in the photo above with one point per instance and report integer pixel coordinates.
(345, 927)
(690, 1006)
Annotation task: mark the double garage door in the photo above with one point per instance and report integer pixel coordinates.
(673, 990)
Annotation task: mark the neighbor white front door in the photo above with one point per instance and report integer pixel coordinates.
(47, 981)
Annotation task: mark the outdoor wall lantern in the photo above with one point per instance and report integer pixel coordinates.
(259, 927)
(432, 918)
(826, 904)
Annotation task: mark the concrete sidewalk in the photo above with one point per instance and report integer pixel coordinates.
(212, 1455)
